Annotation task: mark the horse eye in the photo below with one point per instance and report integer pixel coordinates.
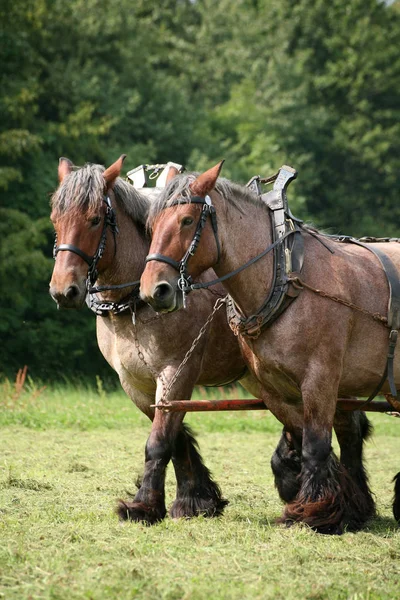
(187, 221)
(95, 220)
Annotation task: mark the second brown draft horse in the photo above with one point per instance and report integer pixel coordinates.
(316, 351)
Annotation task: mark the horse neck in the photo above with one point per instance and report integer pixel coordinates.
(132, 247)
(244, 236)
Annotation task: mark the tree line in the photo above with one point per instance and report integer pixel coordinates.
(257, 82)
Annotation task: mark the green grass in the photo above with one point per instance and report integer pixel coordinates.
(68, 453)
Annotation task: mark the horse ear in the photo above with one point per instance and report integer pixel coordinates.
(64, 168)
(172, 172)
(207, 180)
(114, 171)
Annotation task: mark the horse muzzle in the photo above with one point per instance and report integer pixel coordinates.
(164, 297)
(72, 296)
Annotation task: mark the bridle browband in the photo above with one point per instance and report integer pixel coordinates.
(110, 220)
(185, 283)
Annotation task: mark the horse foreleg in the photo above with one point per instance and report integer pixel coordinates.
(149, 503)
(196, 493)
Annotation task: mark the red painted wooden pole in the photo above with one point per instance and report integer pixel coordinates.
(255, 404)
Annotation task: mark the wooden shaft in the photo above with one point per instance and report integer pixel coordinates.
(255, 404)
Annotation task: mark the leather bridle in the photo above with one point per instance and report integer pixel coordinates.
(110, 221)
(208, 209)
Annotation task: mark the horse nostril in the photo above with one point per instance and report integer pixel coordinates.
(163, 291)
(72, 292)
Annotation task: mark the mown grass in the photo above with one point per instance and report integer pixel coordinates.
(68, 453)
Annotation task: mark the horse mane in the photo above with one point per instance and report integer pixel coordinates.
(83, 190)
(178, 190)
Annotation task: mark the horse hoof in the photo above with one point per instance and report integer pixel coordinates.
(195, 506)
(336, 529)
(140, 512)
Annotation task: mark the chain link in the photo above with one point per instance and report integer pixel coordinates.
(299, 284)
(218, 304)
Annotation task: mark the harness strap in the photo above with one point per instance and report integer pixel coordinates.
(71, 248)
(207, 284)
(107, 288)
(387, 374)
(165, 259)
(393, 318)
(393, 282)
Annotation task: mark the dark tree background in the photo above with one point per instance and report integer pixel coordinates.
(310, 83)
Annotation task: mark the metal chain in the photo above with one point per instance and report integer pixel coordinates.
(164, 398)
(299, 284)
(166, 388)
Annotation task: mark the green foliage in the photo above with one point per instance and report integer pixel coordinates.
(259, 82)
(323, 94)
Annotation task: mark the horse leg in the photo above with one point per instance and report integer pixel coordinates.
(286, 465)
(328, 499)
(352, 430)
(149, 503)
(396, 499)
(196, 492)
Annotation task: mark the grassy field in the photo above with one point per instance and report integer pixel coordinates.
(68, 453)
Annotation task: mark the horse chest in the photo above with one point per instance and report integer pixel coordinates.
(275, 376)
(117, 344)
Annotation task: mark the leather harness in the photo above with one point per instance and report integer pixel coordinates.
(288, 253)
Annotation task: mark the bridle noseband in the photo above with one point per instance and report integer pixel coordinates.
(185, 280)
(110, 220)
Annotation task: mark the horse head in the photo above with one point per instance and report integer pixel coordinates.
(85, 226)
(184, 238)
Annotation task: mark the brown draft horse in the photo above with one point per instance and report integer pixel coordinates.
(314, 352)
(78, 214)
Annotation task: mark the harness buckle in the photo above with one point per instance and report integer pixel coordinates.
(182, 284)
